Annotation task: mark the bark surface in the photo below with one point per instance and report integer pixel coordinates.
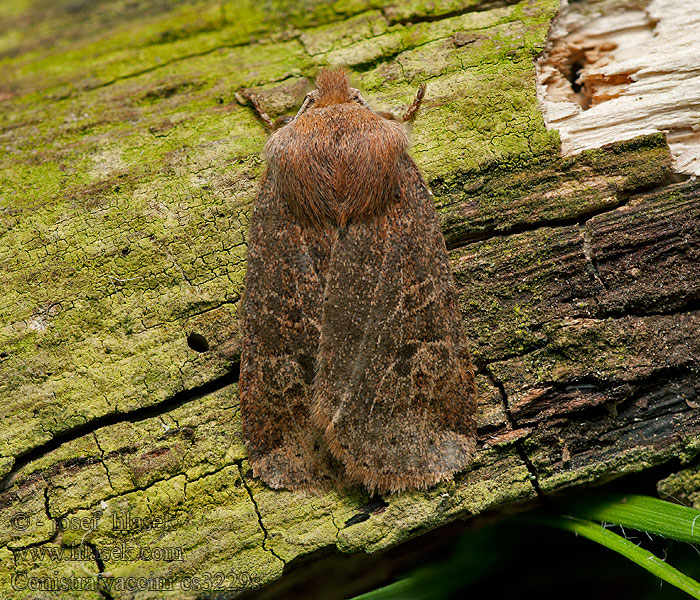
(127, 172)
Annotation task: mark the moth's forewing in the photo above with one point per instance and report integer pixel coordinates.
(394, 389)
(285, 283)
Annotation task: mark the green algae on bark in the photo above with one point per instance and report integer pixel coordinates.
(127, 171)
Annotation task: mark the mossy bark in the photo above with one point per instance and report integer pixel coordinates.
(127, 172)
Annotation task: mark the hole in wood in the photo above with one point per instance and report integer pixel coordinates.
(197, 342)
(613, 71)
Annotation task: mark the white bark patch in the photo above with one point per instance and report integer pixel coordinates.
(613, 74)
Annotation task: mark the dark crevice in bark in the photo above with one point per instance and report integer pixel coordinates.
(619, 390)
(102, 460)
(133, 416)
(376, 504)
(471, 237)
(482, 366)
(691, 305)
(20, 550)
(101, 569)
(668, 179)
(534, 477)
(260, 521)
(46, 503)
(688, 308)
(373, 64)
(461, 240)
(166, 63)
(486, 5)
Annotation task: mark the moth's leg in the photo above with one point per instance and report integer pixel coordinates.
(416, 103)
(282, 121)
(244, 96)
(411, 110)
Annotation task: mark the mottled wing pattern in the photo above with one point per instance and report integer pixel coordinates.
(283, 298)
(394, 389)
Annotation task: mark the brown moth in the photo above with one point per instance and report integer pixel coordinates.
(355, 368)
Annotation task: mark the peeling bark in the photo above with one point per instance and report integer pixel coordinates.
(611, 72)
(127, 174)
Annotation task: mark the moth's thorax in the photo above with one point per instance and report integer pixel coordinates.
(336, 163)
(349, 117)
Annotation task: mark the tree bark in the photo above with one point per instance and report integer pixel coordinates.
(128, 171)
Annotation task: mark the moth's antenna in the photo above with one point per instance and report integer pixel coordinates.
(416, 103)
(245, 97)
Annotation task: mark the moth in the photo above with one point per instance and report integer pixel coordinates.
(355, 369)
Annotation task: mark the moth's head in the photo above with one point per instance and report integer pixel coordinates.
(332, 87)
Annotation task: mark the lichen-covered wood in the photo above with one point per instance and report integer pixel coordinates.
(127, 172)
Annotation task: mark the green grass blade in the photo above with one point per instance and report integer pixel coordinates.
(652, 563)
(399, 590)
(479, 553)
(641, 512)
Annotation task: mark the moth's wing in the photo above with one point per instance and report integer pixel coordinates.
(282, 319)
(394, 389)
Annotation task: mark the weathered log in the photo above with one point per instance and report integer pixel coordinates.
(128, 171)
